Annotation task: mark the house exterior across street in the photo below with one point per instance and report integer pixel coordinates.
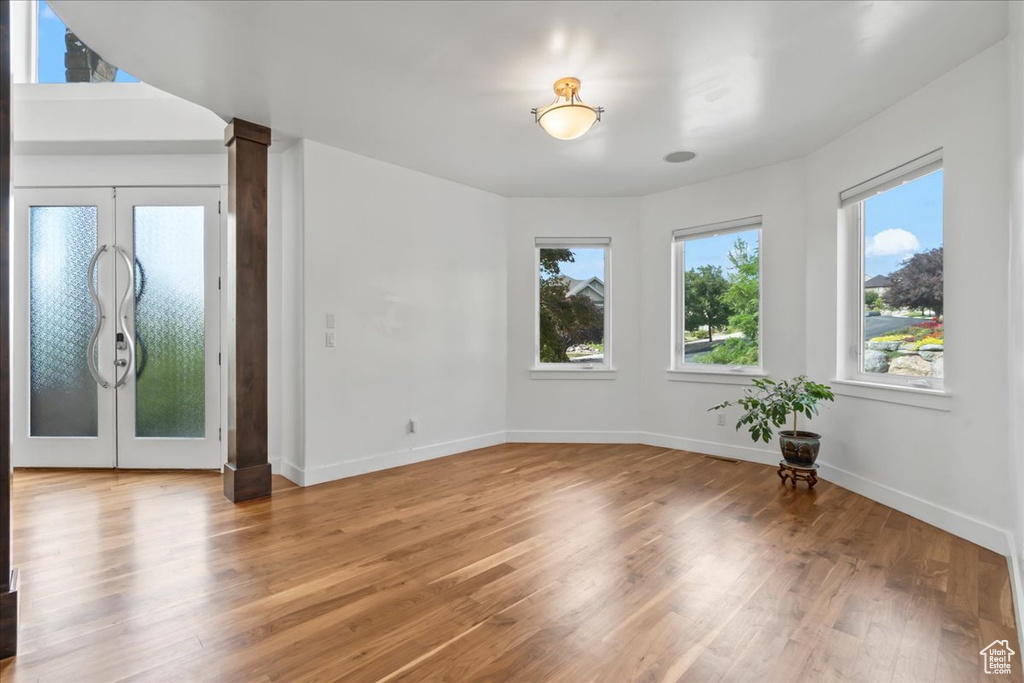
(593, 288)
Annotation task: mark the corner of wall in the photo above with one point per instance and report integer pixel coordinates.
(1015, 312)
(291, 457)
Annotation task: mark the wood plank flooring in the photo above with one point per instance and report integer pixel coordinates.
(535, 563)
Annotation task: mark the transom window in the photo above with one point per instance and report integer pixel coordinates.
(573, 303)
(896, 286)
(62, 58)
(717, 297)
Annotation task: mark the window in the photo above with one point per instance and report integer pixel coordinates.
(896, 286)
(63, 58)
(717, 302)
(573, 303)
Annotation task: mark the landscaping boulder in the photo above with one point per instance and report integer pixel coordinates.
(884, 346)
(912, 366)
(937, 366)
(875, 361)
(931, 355)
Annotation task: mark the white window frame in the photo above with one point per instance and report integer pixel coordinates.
(850, 355)
(582, 369)
(24, 41)
(678, 362)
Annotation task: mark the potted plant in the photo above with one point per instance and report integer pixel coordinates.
(768, 405)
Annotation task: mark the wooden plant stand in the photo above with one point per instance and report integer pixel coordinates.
(797, 473)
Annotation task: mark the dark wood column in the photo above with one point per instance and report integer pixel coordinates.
(247, 474)
(8, 575)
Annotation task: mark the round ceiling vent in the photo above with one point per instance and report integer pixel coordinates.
(679, 157)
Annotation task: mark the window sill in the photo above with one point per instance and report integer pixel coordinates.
(574, 373)
(741, 377)
(931, 399)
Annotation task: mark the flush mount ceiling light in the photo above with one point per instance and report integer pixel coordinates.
(568, 117)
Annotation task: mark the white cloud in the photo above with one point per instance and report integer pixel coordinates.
(892, 242)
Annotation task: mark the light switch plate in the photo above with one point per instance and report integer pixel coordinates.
(330, 340)
(330, 321)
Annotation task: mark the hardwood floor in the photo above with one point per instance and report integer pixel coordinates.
(532, 563)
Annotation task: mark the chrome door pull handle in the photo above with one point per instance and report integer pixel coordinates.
(100, 317)
(122, 320)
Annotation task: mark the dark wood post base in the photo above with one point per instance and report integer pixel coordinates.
(9, 618)
(246, 483)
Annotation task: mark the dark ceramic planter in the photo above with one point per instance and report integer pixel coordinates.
(799, 448)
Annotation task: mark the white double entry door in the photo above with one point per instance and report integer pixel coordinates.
(116, 328)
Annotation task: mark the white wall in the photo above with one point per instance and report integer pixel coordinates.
(675, 412)
(286, 401)
(110, 118)
(949, 468)
(574, 409)
(1016, 308)
(414, 269)
(80, 170)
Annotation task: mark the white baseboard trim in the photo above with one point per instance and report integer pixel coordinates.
(956, 523)
(1016, 581)
(547, 436)
(291, 472)
(311, 476)
(763, 456)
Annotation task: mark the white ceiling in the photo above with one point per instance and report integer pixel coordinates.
(446, 87)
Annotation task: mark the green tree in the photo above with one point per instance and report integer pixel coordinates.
(917, 285)
(705, 298)
(872, 299)
(564, 320)
(743, 295)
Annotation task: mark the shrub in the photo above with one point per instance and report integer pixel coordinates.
(893, 338)
(732, 352)
(929, 340)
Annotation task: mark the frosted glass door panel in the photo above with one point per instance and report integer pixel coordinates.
(169, 322)
(169, 411)
(63, 398)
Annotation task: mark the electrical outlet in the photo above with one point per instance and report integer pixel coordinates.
(721, 420)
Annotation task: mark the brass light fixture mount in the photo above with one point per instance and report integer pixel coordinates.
(567, 87)
(568, 117)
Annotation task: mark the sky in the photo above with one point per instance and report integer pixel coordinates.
(52, 49)
(714, 250)
(589, 263)
(902, 221)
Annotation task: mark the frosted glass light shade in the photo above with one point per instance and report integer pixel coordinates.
(567, 117)
(567, 121)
